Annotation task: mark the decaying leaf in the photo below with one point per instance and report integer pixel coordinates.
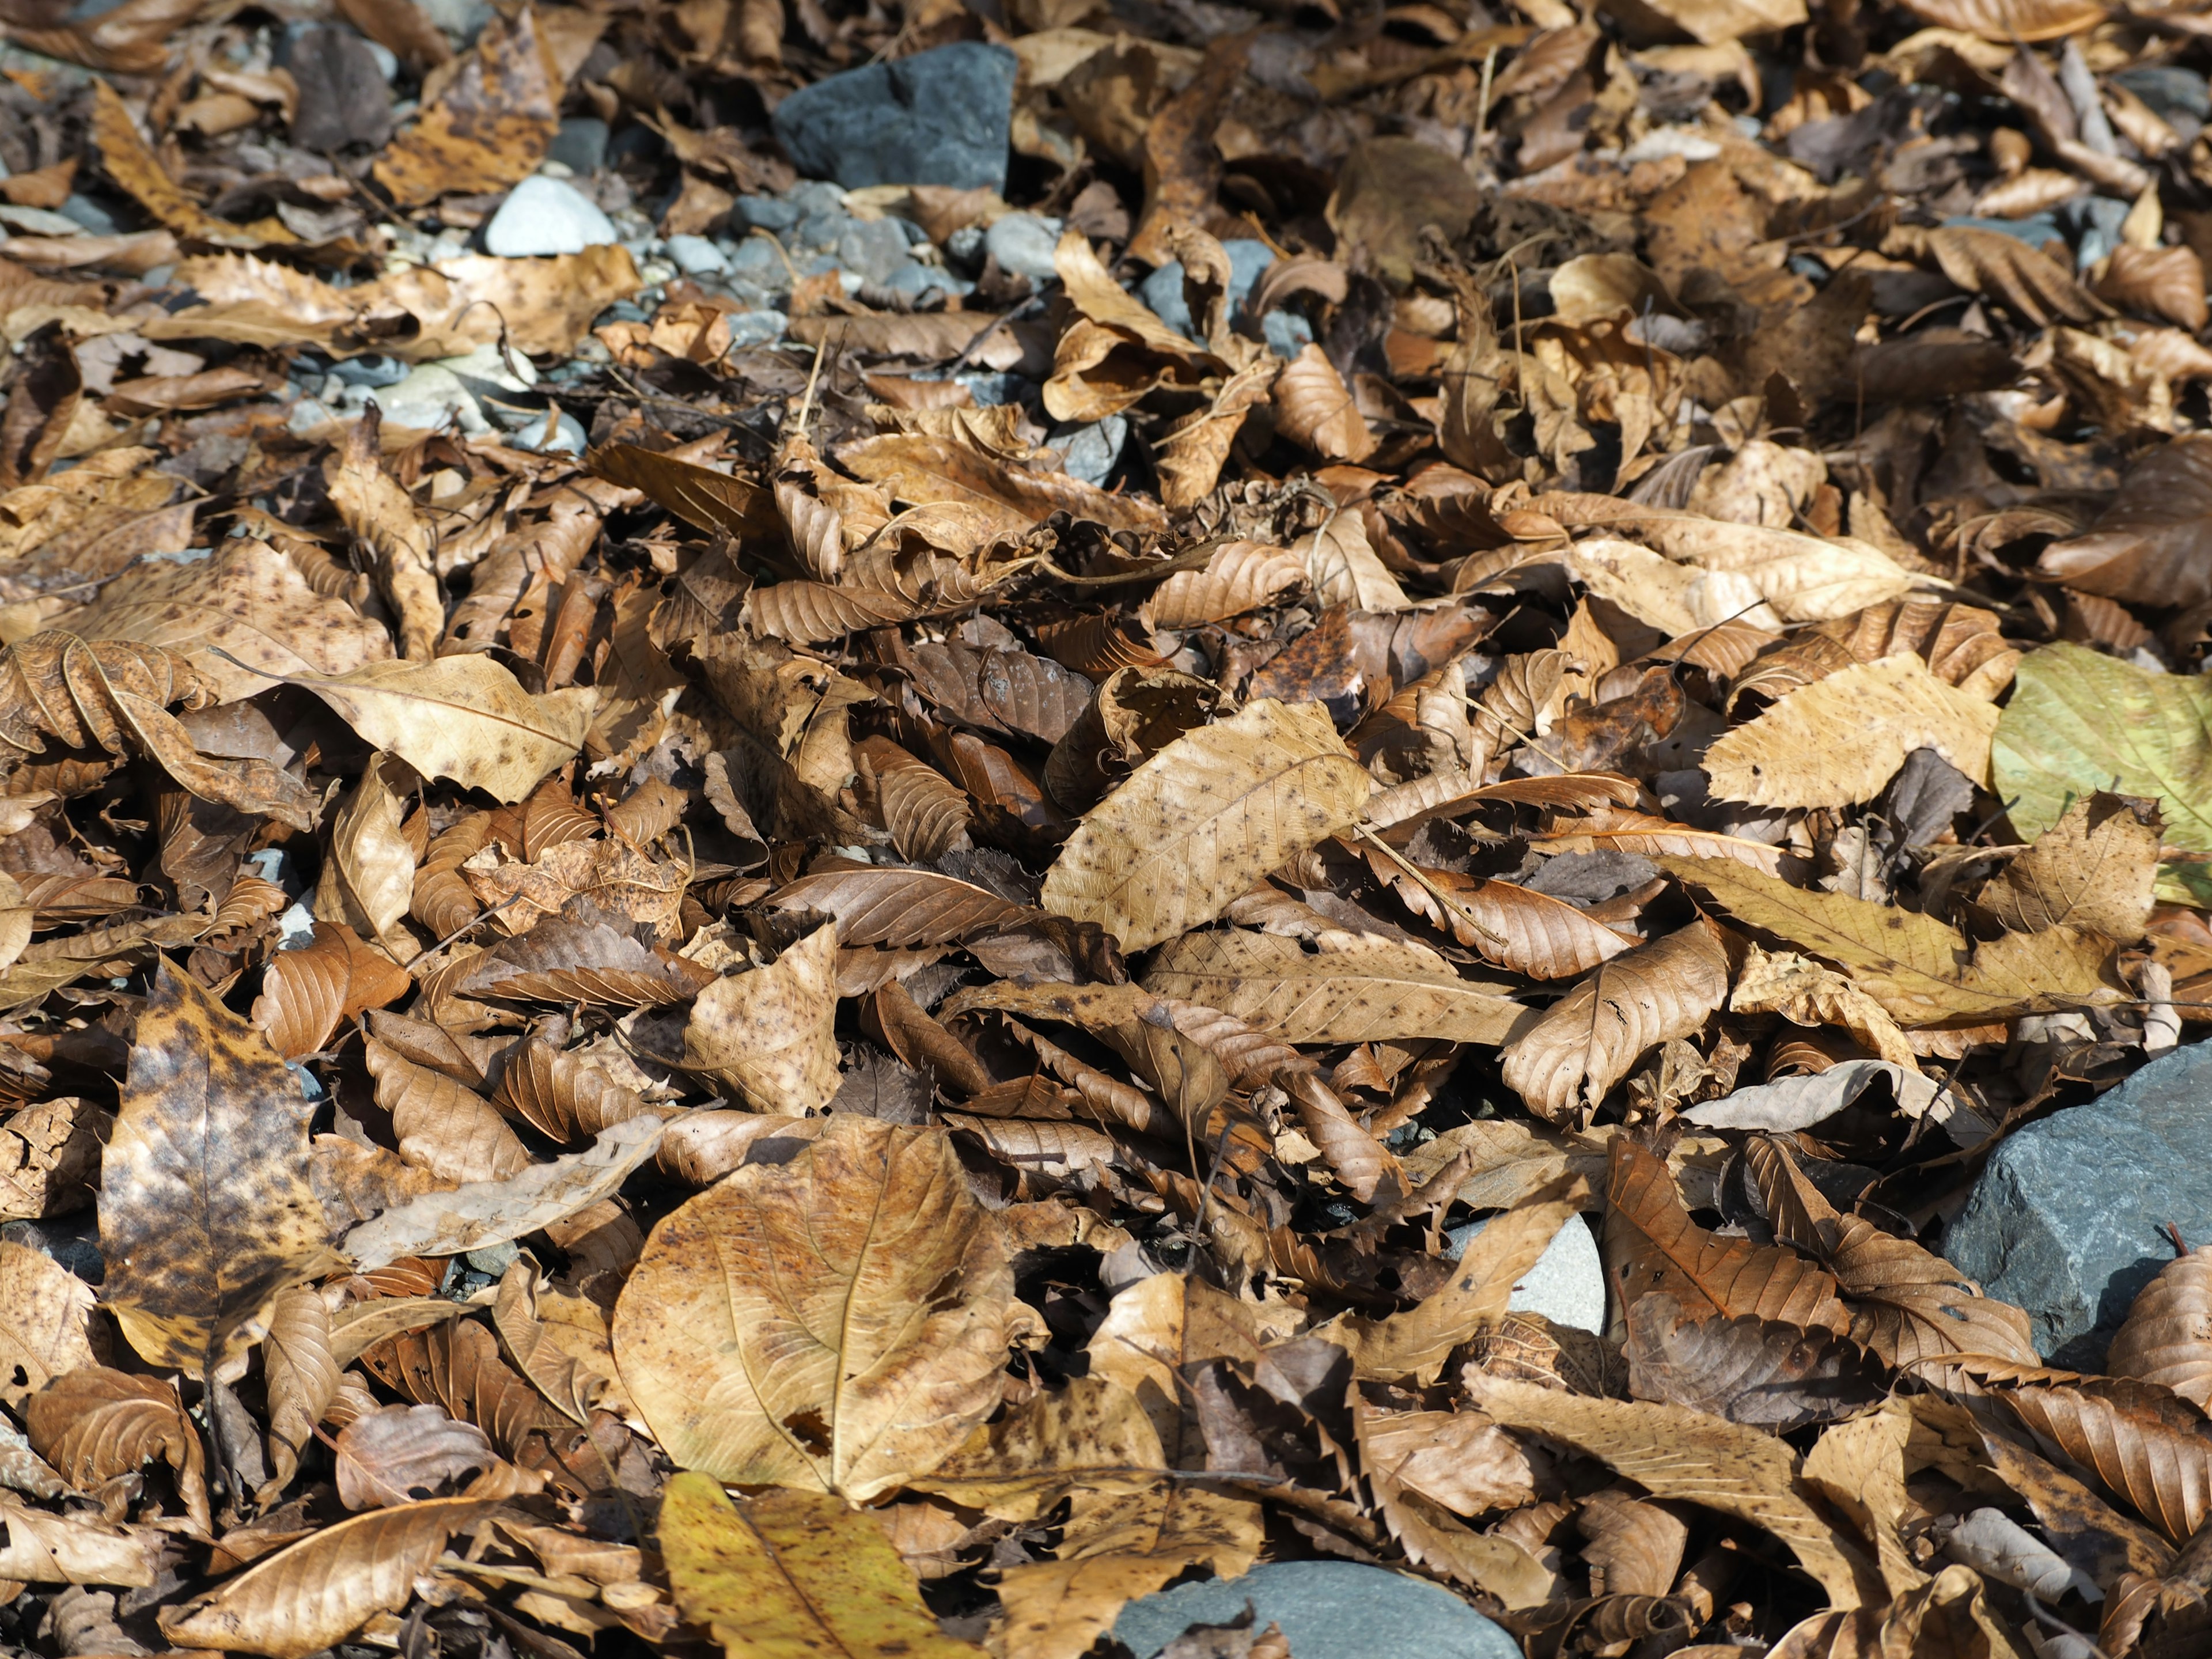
(787, 1352)
(206, 1208)
(1197, 823)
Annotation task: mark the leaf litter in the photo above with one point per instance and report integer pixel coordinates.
(747, 912)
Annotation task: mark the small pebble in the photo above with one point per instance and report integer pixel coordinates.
(542, 216)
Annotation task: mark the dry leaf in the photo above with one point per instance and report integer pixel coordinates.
(1843, 738)
(1590, 1038)
(1197, 823)
(789, 1352)
(767, 1034)
(206, 1211)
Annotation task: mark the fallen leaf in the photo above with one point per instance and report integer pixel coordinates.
(195, 1254)
(791, 1353)
(463, 718)
(1588, 1040)
(767, 1033)
(1844, 738)
(790, 1574)
(1197, 823)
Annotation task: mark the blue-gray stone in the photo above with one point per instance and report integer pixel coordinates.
(920, 279)
(1285, 332)
(581, 146)
(2095, 222)
(939, 117)
(91, 215)
(543, 216)
(696, 256)
(372, 370)
(1089, 452)
(871, 248)
(751, 328)
(2068, 1218)
(1326, 1610)
(768, 213)
(2170, 90)
(1162, 289)
(1023, 244)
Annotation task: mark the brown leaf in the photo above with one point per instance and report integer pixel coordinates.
(699, 495)
(456, 1365)
(40, 408)
(490, 126)
(306, 994)
(247, 602)
(301, 1368)
(1688, 1456)
(2008, 20)
(879, 904)
(134, 167)
(562, 1095)
(2149, 1448)
(1314, 409)
(1238, 577)
(767, 1034)
(1197, 823)
(95, 1424)
(1590, 1038)
(2160, 282)
(380, 515)
(2148, 545)
(1382, 991)
(447, 1130)
(206, 1211)
(323, 1589)
(1651, 1246)
(383, 1457)
(571, 1387)
(1908, 1304)
(1767, 1373)
(2168, 1338)
(2093, 870)
(846, 1329)
(46, 1329)
(1411, 1347)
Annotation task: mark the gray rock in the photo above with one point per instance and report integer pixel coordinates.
(1162, 289)
(752, 328)
(918, 280)
(1326, 1610)
(2068, 1218)
(939, 117)
(871, 248)
(1567, 1284)
(965, 248)
(461, 18)
(1022, 243)
(1089, 452)
(581, 146)
(696, 256)
(820, 229)
(91, 215)
(543, 216)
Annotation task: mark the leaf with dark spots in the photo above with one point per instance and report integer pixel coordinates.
(206, 1207)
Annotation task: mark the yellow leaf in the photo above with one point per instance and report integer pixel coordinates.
(767, 1033)
(1841, 739)
(794, 1576)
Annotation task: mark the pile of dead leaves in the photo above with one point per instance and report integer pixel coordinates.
(1648, 667)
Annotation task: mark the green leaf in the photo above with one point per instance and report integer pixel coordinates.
(2080, 721)
(794, 1575)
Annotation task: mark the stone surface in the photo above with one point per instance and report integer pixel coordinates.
(696, 256)
(1326, 1610)
(1022, 243)
(581, 144)
(2068, 1218)
(1089, 452)
(938, 118)
(542, 216)
(1567, 1284)
(1162, 289)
